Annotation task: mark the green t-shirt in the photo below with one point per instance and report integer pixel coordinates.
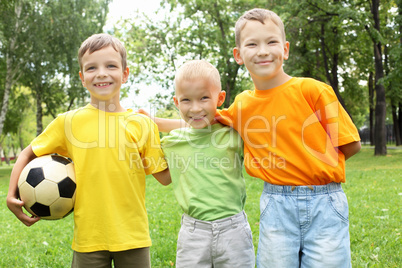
(206, 166)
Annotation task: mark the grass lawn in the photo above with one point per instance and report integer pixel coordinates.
(373, 187)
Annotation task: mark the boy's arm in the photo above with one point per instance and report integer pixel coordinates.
(13, 203)
(165, 125)
(350, 149)
(163, 177)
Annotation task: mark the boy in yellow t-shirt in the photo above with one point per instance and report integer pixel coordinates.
(113, 149)
(296, 139)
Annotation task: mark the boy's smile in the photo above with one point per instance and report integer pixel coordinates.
(102, 74)
(263, 51)
(197, 101)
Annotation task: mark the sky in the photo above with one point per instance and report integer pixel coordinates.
(124, 9)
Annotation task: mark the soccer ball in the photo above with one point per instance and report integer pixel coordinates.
(47, 187)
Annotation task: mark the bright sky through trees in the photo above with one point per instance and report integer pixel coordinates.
(121, 9)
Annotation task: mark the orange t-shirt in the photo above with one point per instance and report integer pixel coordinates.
(291, 132)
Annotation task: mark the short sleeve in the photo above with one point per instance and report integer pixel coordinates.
(150, 147)
(52, 139)
(334, 118)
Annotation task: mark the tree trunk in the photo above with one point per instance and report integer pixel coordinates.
(396, 125)
(332, 71)
(7, 89)
(39, 112)
(400, 121)
(371, 104)
(230, 82)
(11, 69)
(6, 158)
(380, 107)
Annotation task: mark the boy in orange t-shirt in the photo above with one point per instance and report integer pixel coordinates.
(297, 137)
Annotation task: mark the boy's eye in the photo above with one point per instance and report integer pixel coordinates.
(112, 66)
(205, 98)
(90, 68)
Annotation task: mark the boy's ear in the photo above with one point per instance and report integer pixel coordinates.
(221, 98)
(176, 102)
(82, 79)
(237, 57)
(125, 75)
(286, 50)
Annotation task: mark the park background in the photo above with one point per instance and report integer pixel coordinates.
(354, 46)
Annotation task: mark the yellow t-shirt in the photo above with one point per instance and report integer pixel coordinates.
(112, 154)
(291, 132)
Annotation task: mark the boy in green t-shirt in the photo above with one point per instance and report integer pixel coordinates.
(205, 162)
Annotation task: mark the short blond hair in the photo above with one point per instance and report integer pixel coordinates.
(97, 42)
(260, 15)
(198, 69)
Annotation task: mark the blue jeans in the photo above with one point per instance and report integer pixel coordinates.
(304, 226)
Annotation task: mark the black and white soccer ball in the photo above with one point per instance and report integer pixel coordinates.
(47, 187)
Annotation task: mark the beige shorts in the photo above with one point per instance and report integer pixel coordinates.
(224, 243)
(135, 258)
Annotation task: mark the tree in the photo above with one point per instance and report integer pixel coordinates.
(323, 21)
(72, 22)
(56, 30)
(193, 30)
(393, 70)
(323, 37)
(332, 41)
(13, 17)
(9, 141)
(380, 107)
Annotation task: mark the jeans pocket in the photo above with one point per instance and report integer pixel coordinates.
(339, 205)
(265, 201)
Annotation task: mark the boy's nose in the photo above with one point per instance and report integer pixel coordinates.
(263, 51)
(102, 73)
(195, 107)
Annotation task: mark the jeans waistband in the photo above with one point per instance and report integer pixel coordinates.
(305, 189)
(229, 222)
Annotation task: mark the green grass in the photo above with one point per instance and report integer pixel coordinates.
(373, 187)
(374, 190)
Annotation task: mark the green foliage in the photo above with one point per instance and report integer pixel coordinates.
(192, 30)
(393, 79)
(373, 187)
(39, 43)
(56, 30)
(330, 41)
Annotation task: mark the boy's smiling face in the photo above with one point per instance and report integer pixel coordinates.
(197, 100)
(263, 50)
(102, 74)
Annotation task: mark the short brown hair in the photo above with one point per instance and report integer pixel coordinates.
(98, 41)
(260, 15)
